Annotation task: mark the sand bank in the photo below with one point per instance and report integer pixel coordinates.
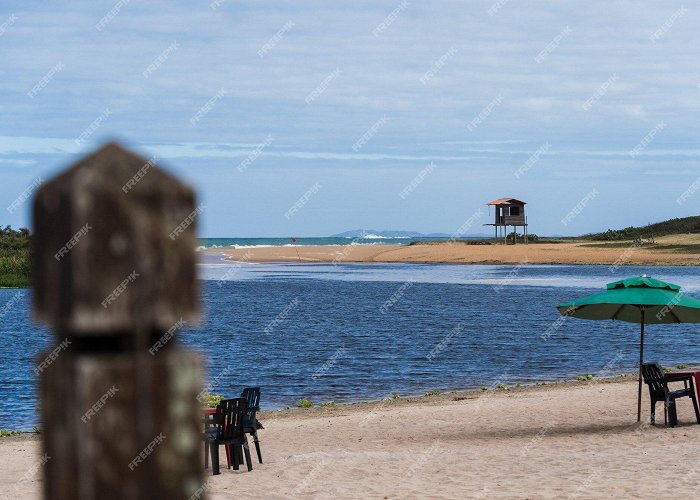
(576, 440)
(677, 250)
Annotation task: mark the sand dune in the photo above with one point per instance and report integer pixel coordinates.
(576, 440)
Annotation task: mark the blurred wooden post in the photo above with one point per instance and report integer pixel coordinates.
(114, 274)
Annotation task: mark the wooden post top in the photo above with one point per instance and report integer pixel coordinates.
(113, 247)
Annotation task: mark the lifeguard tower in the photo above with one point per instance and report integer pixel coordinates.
(508, 212)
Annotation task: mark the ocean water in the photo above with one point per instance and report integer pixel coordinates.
(368, 239)
(352, 332)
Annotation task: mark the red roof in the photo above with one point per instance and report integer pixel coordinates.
(506, 201)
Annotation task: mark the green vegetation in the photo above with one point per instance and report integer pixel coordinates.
(6, 433)
(15, 265)
(681, 367)
(395, 395)
(484, 389)
(682, 225)
(210, 400)
(433, 393)
(305, 403)
(328, 403)
(583, 378)
(502, 387)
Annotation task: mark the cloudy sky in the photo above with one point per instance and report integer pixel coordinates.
(371, 114)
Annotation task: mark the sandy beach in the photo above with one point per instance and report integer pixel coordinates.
(669, 250)
(566, 440)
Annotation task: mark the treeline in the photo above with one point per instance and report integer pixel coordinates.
(15, 263)
(682, 225)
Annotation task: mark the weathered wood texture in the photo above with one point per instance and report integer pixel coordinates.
(114, 273)
(111, 215)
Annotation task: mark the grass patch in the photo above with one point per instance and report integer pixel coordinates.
(433, 393)
(6, 433)
(583, 378)
(328, 403)
(305, 403)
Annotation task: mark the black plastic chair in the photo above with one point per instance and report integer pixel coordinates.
(252, 424)
(658, 391)
(228, 430)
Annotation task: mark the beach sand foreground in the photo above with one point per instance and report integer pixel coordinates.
(671, 250)
(574, 440)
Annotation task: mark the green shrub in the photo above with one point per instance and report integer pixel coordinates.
(6, 433)
(210, 400)
(583, 378)
(502, 387)
(433, 393)
(305, 403)
(328, 403)
(395, 395)
(681, 367)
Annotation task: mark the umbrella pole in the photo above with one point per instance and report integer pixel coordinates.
(641, 360)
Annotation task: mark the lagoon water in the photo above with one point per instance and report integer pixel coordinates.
(354, 332)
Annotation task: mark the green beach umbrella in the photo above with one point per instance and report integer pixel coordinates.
(641, 300)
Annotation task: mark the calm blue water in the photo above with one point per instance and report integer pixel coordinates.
(330, 316)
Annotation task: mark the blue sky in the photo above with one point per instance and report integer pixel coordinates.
(593, 101)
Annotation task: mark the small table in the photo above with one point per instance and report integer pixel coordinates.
(686, 375)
